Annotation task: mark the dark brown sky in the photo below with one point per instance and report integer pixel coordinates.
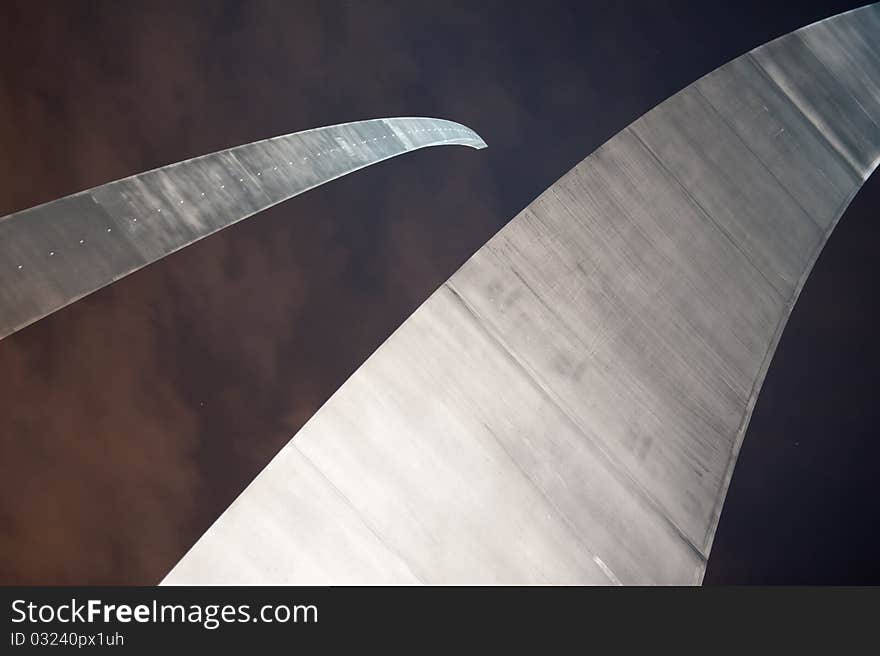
(131, 419)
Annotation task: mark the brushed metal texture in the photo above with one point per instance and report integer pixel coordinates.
(58, 252)
(569, 406)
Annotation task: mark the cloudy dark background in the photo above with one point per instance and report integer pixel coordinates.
(131, 419)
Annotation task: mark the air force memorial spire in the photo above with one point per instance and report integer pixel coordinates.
(569, 406)
(56, 253)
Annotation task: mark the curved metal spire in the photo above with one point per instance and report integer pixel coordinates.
(56, 253)
(569, 406)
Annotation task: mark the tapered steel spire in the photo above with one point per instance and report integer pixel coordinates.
(56, 253)
(569, 406)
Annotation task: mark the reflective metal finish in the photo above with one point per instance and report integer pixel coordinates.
(55, 253)
(569, 406)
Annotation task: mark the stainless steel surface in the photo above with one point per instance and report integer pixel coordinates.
(569, 406)
(55, 253)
